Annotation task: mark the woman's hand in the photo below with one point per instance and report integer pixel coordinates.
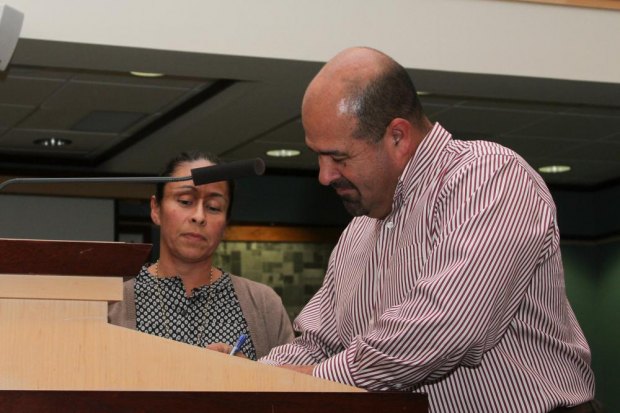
(224, 348)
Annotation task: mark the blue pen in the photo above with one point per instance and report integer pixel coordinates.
(238, 344)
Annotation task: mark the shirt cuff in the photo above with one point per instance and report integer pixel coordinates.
(336, 369)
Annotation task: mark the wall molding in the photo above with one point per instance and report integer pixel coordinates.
(266, 233)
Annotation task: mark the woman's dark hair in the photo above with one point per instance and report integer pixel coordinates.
(191, 156)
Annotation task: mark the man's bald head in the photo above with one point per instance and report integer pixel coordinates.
(367, 85)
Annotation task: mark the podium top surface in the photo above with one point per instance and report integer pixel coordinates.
(92, 258)
(55, 287)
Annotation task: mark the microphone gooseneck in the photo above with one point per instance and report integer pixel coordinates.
(200, 176)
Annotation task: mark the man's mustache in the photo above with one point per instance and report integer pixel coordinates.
(342, 183)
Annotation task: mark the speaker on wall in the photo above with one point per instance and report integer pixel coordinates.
(10, 25)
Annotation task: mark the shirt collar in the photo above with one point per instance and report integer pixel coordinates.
(418, 170)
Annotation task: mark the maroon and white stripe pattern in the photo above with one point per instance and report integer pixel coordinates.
(458, 293)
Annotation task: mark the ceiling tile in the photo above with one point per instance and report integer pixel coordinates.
(77, 100)
(128, 79)
(291, 132)
(595, 151)
(534, 147)
(433, 110)
(433, 105)
(118, 97)
(10, 115)
(20, 141)
(31, 72)
(593, 111)
(613, 138)
(26, 92)
(485, 121)
(107, 121)
(306, 160)
(573, 127)
(582, 172)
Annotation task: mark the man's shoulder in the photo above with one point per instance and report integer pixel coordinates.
(480, 148)
(481, 155)
(491, 160)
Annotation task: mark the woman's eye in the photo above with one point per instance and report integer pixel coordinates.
(185, 201)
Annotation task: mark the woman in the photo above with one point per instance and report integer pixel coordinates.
(182, 296)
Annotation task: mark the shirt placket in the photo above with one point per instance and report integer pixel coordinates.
(382, 253)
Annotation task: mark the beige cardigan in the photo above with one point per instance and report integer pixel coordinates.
(262, 308)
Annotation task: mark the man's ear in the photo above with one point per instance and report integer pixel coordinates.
(396, 136)
(399, 138)
(155, 211)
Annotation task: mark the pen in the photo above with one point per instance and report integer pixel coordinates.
(238, 344)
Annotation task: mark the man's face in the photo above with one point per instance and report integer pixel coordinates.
(361, 172)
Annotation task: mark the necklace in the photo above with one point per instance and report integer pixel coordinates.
(164, 307)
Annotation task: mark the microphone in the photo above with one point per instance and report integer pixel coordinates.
(224, 172)
(200, 176)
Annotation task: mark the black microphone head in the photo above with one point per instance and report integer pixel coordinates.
(228, 171)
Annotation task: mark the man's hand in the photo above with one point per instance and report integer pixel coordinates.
(305, 369)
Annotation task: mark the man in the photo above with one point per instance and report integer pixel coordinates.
(449, 279)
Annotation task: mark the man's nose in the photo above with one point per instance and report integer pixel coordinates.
(328, 172)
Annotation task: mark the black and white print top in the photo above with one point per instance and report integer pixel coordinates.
(191, 319)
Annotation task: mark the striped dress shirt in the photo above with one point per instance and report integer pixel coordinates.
(458, 292)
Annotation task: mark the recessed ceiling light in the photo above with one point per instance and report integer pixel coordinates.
(283, 153)
(52, 142)
(554, 169)
(146, 74)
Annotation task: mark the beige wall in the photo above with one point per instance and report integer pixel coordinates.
(478, 36)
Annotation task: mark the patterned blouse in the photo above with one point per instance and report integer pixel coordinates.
(211, 314)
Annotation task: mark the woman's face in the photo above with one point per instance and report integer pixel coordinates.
(192, 219)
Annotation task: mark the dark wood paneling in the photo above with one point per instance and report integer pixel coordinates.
(220, 402)
(21, 256)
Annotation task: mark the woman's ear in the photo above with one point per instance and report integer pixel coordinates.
(155, 209)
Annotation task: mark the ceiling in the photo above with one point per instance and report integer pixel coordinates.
(240, 107)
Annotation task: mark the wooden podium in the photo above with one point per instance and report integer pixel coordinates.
(58, 353)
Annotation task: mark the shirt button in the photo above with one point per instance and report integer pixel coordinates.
(389, 225)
